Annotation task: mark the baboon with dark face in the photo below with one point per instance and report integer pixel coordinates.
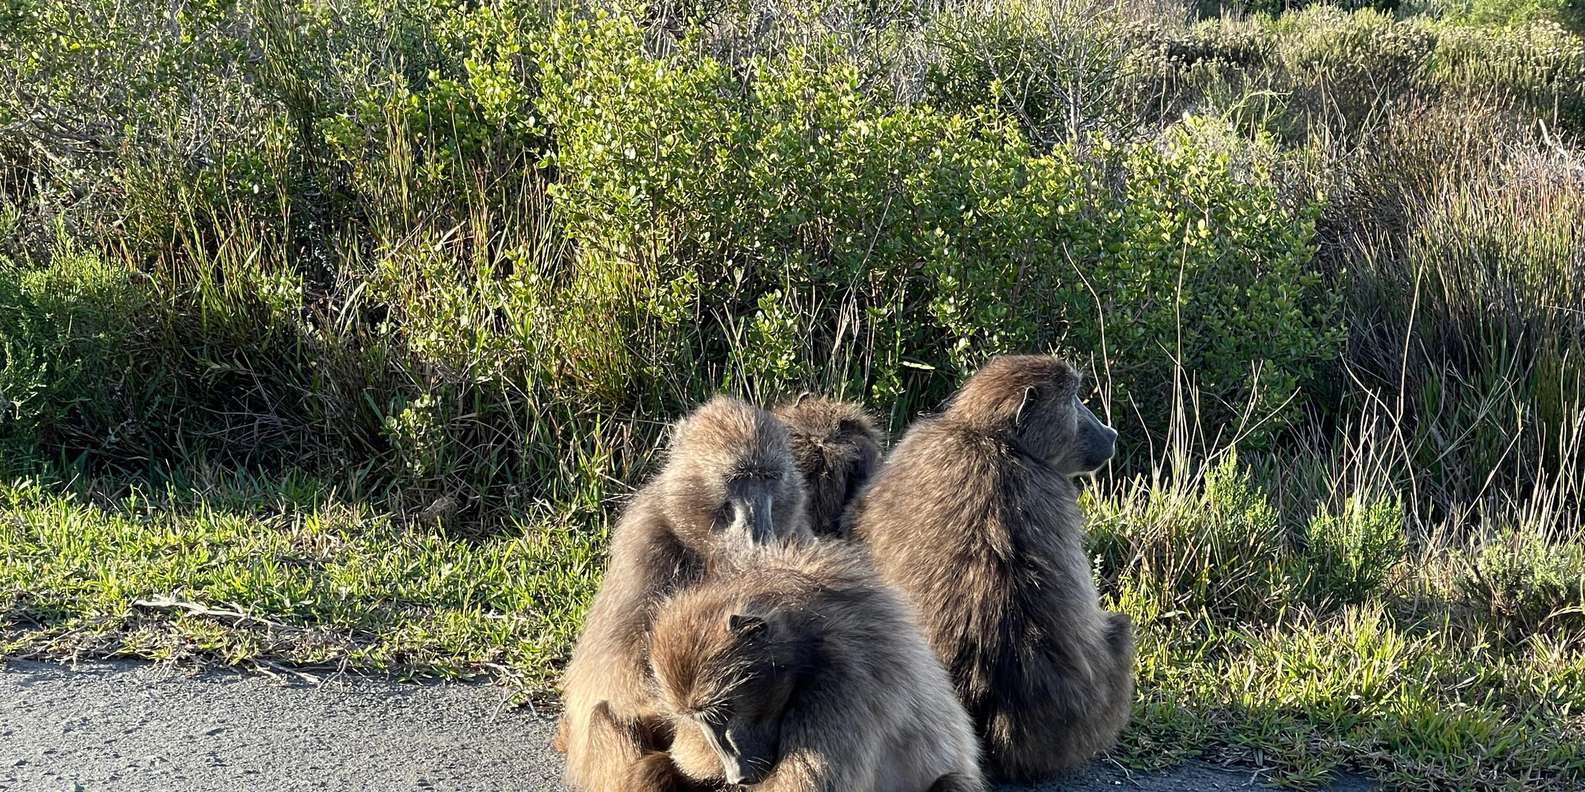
(803, 672)
(728, 485)
(837, 449)
(975, 518)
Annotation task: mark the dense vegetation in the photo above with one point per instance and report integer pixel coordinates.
(335, 333)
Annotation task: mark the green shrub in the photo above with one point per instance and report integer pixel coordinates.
(1062, 70)
(1340, 74)
(943, 238)
(1540, 64)
(1465, 285)
(116, 366)
(441, 240)
(66, 332)
(1349, 554)
(1212, 546)
(1509, 13)
(1522, 584)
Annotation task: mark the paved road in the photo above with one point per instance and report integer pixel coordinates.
(143, 728)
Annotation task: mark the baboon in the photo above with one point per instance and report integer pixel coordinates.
(728, 484)
(803, 672)
(975, 518)
(837, 449)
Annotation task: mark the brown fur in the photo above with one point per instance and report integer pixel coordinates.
(726, 454)
(837, 449)
(975, 518)
(815, 673)
(956, 782)
(656, 773)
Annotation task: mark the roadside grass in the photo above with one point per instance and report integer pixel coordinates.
(259, 574)
(1414, 704)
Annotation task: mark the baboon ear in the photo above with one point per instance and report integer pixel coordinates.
(746, 626)
(1018, 414)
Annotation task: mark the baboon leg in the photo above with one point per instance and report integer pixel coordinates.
(1095, 710)
(612, 748)
(655, 773)
(1120, 703)
(956, 782)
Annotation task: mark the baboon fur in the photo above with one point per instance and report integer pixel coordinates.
(837, 449)
(728, 483)
(975, 518)
(815, 675)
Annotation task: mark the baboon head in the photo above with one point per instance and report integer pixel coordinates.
(731, 470)
(824, 425)
(727, 668)
(1032, 401)
(836, 448)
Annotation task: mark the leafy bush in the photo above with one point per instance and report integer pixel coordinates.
(1538, 63)
(1209, 546)
(1349, 554)
(102, 362)
(1063, 70)
(1340, 74)
(1568, 13)
(947, 237)
(1523, 585)
(66, 332)
(443, 241)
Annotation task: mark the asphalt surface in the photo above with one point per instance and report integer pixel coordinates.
(145, 728)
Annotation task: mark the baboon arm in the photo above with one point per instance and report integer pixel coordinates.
(644, 569)
(805, 770)
(646, 564)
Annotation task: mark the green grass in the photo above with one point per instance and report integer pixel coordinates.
(257, 573)
(1421, 663)
(1415, 704)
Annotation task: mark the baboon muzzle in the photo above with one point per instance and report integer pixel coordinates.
(752, 516)
(745, 757)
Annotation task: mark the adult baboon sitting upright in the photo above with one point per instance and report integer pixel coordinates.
(803, 672)
(837, 449)
(975, 517)
(728, 485)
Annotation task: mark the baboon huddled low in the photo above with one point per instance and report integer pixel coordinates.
(837, 449)
(802, 671)
(728, 484)
(975, 518)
